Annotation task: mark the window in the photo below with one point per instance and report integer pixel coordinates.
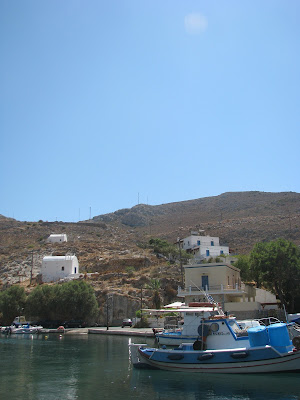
(212, 243)
(221, 252)
(198, 242)
(62, 268)
(207, 253)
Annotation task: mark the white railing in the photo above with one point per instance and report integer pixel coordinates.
(211, 289)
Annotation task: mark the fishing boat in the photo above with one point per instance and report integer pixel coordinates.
(263, 350)
(196, 319)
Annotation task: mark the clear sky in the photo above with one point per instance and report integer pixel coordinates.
(104, 104)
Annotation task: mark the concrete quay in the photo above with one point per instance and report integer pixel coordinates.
(102, 330)
(118, 330)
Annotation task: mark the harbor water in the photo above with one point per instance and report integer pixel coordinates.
(84, 367)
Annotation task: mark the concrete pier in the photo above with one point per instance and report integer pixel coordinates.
(117, 330)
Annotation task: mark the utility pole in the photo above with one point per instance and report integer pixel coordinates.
(109, 296)
(31, 267)
(181, 269)
(141, 305)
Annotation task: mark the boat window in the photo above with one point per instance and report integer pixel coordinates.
(234, 326)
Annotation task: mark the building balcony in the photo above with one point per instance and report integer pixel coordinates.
(237, 290)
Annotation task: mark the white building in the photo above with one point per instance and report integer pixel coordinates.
(55, 268)
(57, 238)
(203, 246)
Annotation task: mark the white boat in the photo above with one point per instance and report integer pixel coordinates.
(25, 329)
(20, 326)
(194, 317)
(265, 349)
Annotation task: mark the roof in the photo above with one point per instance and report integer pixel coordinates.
(177, 304)
(212, 265)
(57, 235)
(57, 258)
(180, 310)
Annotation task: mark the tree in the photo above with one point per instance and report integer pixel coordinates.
(78, 300)
(276, 265)
(155, 286)
(71, 300)
(243, 263)
(167, 249)
(12, 303)
(43, 303)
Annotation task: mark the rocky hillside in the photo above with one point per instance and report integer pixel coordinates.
(240, 219)
(113, 246)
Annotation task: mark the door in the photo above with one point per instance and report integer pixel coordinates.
(205, 282)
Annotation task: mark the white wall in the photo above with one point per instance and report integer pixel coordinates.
(192, 241)
(242, 306)
(263, 296)
(205, 244)
(55, 268)
(57, 238)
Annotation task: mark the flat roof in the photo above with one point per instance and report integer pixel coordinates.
(211, 265)
(180, 310)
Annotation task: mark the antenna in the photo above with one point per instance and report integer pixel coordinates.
(90, 212)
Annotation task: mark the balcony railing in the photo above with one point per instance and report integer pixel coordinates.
(217, 289)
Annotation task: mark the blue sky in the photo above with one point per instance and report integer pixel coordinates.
(104, 104)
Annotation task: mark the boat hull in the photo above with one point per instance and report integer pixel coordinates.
(240, 362)
(25, 331)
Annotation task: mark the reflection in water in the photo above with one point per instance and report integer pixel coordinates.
(205, 386)
(97, 366)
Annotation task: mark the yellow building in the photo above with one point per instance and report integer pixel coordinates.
(223, 282)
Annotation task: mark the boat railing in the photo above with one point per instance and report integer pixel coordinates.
(268, 321)
(171, 328)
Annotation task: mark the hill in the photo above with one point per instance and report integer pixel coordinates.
(114, 246)
(240, 219)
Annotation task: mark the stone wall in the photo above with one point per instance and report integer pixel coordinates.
(118, 307)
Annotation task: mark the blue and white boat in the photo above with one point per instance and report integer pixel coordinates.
(197, 319)
(264, 349)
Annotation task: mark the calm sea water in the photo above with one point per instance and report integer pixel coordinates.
(97, 367)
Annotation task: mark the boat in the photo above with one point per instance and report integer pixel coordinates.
(25, 329)
(196, 313)
(20, 326)
(197, 316)
(263, 350)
